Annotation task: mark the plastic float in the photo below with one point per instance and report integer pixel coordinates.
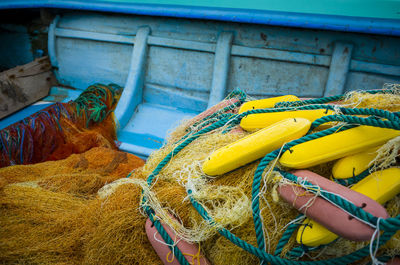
(265, 103)
(336, 145)
(328, 214)
(380, 186)
(353, 165)
(191, 251)
(257, 121)
(255, 146)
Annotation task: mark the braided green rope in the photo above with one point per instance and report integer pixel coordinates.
(157, 170)
(355, 179)
(167, 239)
(287, 235)
(221, 111)
(382, 259)
(284, 104)
(350, 258)
(355, 111)
(205, 124)
(183, 145)
(390, 124)
(299, 252)
(390, 226)
(328, 99)
(258, 176)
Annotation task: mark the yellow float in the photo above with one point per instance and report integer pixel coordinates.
(335, 146)
(255, 146)
(380, 186)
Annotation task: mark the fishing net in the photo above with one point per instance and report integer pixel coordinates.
(62, 129)
(49, 212)
(79, 216)
(224, 204)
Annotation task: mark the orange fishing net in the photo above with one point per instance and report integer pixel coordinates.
(62, 129)
(49, 212)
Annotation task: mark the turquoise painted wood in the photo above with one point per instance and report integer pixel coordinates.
(365, 8)
(367, 16)
(174, 68)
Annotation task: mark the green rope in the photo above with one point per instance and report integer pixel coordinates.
(216, 114)
(300, 251)
(390, 225)
(258, 176)
(284, 104)
(370, 121)
(167, 239)
(287, 235)
(176, 150)
(328, 99)
(354, 179)
(350, 258)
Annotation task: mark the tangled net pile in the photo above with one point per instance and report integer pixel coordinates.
(68, 212)
(62, 129)
(226, 203)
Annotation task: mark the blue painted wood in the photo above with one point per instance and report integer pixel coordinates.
(263, 78)
(15, 46)
(187, 70)
(171, 96)
(338, 69)
(152, 121)
(366, 81)
(221, 68)
(278, 55)
(51, 43)
(181, 44)
(23, 113)
(383, 69)
(84, 35)
(62, 94)
(380, 18)
(132, 94)
(175, 61)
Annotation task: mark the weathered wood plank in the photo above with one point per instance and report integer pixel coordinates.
(24, 85)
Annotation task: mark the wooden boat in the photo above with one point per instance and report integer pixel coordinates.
(175, 60)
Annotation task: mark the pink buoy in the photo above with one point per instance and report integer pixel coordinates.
(191, 251)
(213, 109)
(327, 214)
(394, 261)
